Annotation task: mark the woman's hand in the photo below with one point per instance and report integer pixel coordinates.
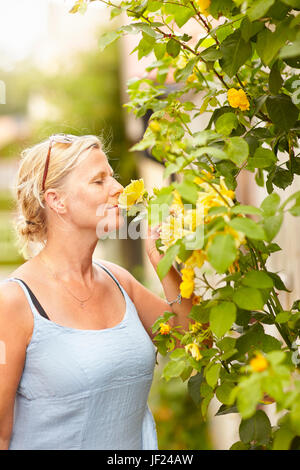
(154, 255)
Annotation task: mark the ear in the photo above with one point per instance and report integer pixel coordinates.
(55, 201)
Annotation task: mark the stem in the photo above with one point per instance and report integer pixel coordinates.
(185, 125)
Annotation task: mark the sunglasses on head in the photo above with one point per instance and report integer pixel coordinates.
(60, 139)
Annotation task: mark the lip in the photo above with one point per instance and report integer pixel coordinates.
(114, 207)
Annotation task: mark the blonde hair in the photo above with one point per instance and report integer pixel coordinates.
(30, 224)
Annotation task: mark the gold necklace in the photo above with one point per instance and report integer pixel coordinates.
(59, 280)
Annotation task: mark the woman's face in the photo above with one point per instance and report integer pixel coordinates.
(92, 191)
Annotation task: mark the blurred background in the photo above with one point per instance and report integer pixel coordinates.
(57, 80)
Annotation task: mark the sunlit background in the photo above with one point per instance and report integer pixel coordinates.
(57, 81)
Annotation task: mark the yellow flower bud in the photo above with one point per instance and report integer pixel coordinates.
(259, 363)
(194, 350)
(203, 5)
(191, 78)
(154, 126)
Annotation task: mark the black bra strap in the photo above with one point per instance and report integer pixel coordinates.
(38, 305)
(35, 301)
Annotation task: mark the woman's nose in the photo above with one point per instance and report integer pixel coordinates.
(117, 187)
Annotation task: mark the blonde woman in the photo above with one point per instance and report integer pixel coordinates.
(79, 355)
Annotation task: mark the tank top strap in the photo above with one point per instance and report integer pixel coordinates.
(35, 306)
(112, 276)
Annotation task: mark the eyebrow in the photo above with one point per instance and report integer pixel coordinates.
(103, 172)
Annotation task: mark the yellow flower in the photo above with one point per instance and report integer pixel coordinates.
(191, 219)
(196, 327)
(228, 193)
(239, 237)
(164, 328)
(177, 206)
(187, 284)
(154, 126)
(207, 176)
(238, 99)
(191, 78)
(171, 231)
(132, 194)
(203, 5)
(194, 350)
(196, 259)
(196, 299)
(259, 363)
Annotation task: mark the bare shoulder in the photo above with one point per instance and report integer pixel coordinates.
(122, 275)
(14, 312)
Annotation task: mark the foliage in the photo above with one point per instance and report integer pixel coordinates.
(244, 61)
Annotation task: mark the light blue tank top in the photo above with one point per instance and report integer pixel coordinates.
(85, 389)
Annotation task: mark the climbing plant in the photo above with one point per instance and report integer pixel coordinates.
(242, 58)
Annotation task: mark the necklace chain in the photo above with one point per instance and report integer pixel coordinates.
(55, 277)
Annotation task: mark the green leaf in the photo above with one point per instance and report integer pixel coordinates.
(292, 3)
(258, 279)
(212, 152)
(272, 226)
(239, 445)
(107, 38)
(187, 191)
(235, 51)
(166, 262)
(283, 438)
(159, 50)
(282, 111)
(256, 429)
(181, 13)
(178, 354)
(249, 29)
(223, 393)
(290, 51)
(212, 374)
(173, 369)
(225, 410)
(242, 209)
(194, 387)
(248, 227)
(221, 318)
(262, 158)
(237, 150)
(283, 317)
(268, 44)
(222, 252)
(145, 45)
(248, 398)
(226, 123)
(211, 54)
(173, 47)
(275, 79)
(259, 8)
(153, 5)
(248, 298)
(270, 204)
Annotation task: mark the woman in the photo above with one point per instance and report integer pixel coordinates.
(77, 332)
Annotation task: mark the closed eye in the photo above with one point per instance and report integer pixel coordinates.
(99, 182)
